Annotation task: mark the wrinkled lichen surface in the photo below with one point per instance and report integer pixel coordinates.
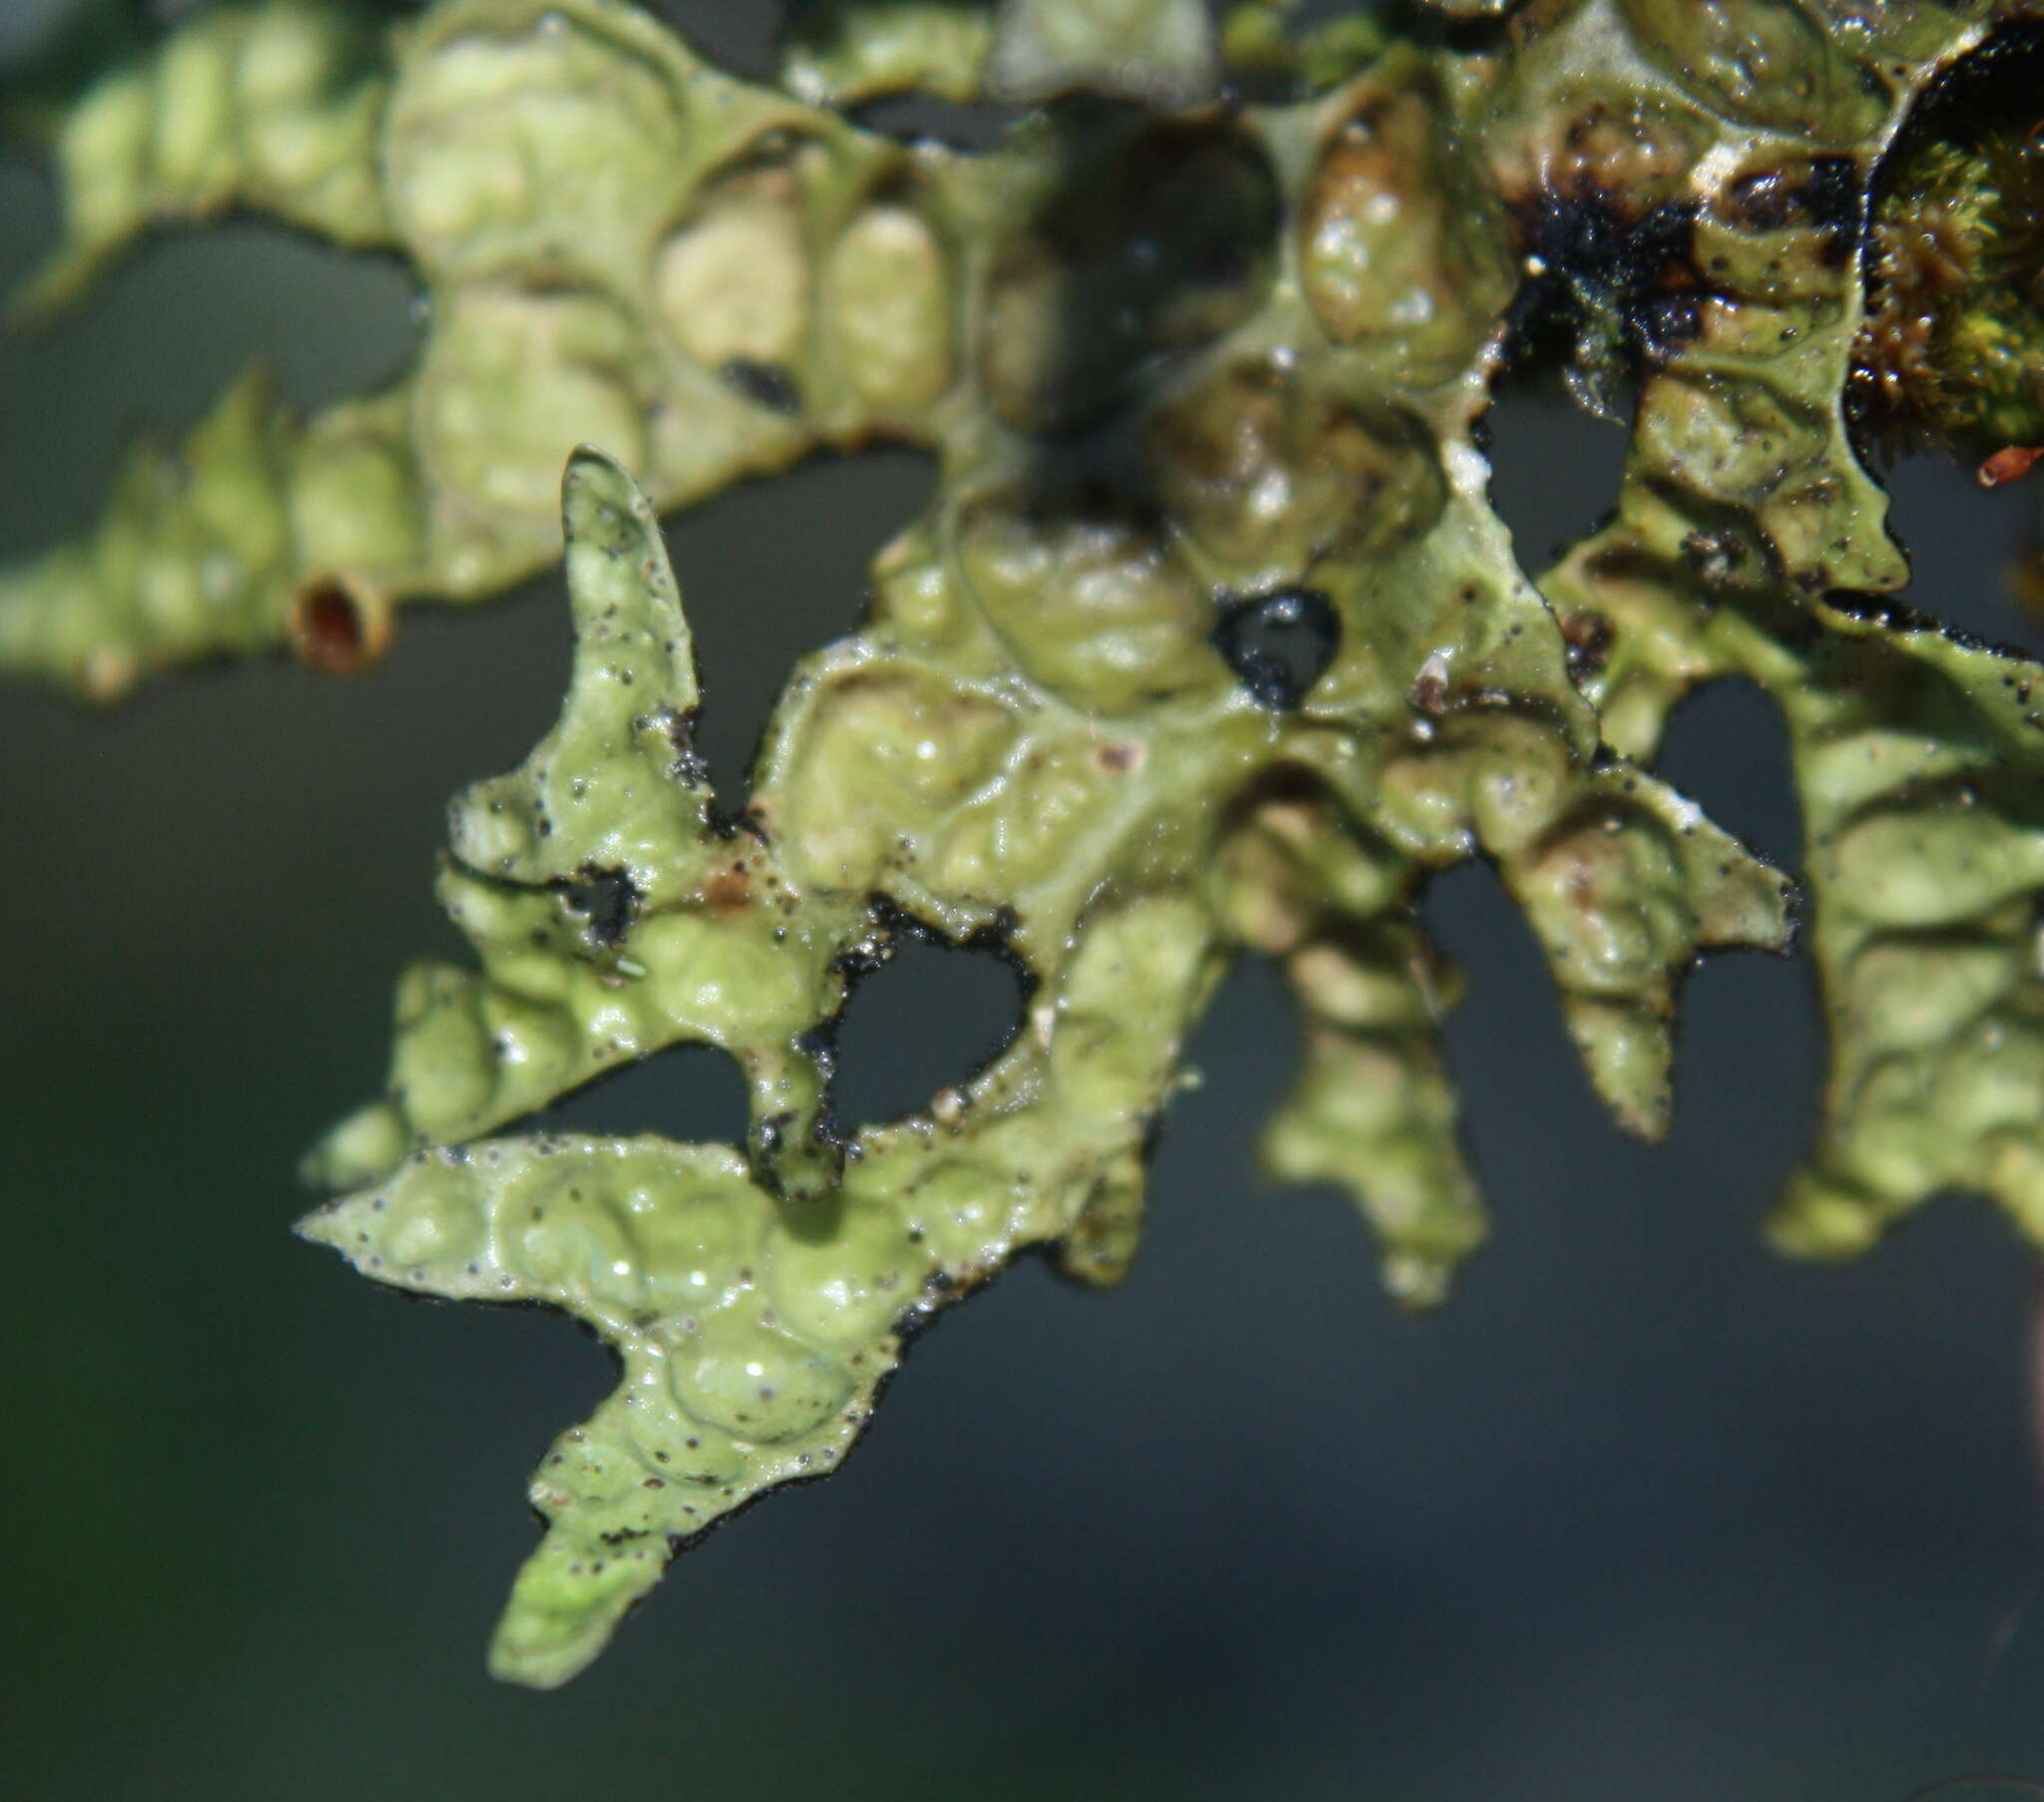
(1209, 642)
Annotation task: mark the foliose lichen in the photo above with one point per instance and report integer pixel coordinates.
(1211, 641)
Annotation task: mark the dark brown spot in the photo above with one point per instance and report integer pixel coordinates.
(1713, 556)
(1589, 637)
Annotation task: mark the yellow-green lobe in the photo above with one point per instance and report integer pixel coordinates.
(1209, 641)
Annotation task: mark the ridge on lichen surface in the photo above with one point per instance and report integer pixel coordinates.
(1209, 642)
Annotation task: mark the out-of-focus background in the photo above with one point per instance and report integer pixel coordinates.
(1644, 1512)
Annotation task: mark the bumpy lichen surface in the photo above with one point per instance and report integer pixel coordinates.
(1211, 641)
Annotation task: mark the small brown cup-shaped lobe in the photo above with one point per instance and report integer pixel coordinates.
(340, 624)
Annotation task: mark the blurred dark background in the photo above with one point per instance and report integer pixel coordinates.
(1644, 1512)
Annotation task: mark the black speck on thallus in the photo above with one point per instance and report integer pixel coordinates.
(765, 384)
(606, 899)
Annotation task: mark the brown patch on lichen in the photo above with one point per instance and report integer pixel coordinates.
(1633, 155)
(728, 891)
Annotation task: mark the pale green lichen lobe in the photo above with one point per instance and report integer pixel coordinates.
(756, 1299)
(1209, 641)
